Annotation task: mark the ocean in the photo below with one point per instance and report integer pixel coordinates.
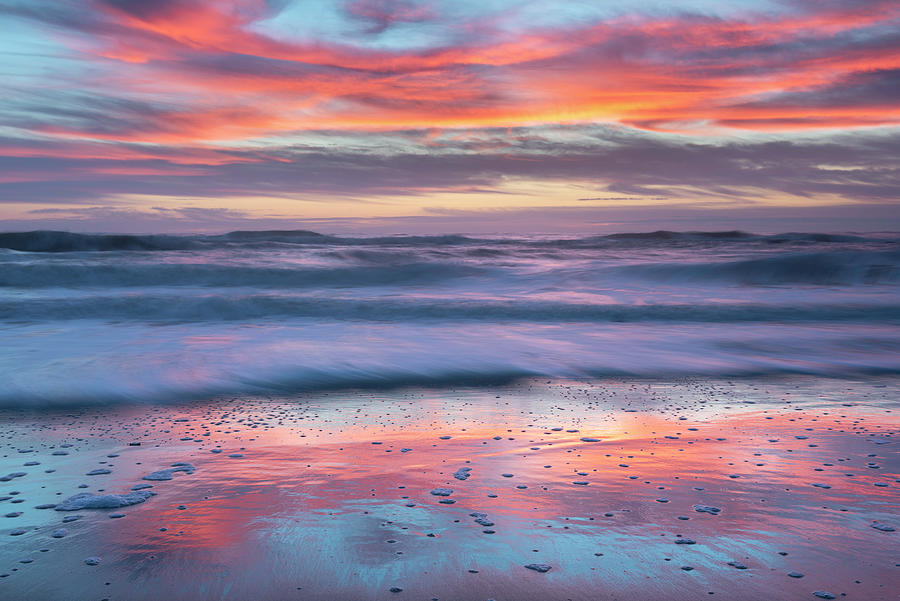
(118, 318)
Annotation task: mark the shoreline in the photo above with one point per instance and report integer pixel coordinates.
(325, 503)
(873, 376)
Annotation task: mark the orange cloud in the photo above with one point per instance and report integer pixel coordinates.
(685, 73)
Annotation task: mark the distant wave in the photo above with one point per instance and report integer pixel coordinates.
(58, 242)
(61, 242)
(669, 235)
(736, 235)
(214, 308)
(822, 268)
(370, 268)
(41, 275)
(54, 242)
(269, 235)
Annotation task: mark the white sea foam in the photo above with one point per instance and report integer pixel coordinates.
(87, 500)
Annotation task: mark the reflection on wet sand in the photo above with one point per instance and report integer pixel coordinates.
(627, 490)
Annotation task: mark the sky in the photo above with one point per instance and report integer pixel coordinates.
(458, 115)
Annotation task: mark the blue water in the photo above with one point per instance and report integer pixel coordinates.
(103, 319)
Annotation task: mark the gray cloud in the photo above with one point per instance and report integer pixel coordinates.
(856, 167)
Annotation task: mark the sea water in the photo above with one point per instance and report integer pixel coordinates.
(103, 318)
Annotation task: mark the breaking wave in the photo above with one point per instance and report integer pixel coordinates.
(823, 268)
(215, 308)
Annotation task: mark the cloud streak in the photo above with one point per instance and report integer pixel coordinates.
(395, 98)
(647, 71)
(854, 167)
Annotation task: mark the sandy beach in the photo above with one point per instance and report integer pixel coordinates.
(625, 489)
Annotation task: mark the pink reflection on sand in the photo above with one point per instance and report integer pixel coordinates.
(325, 496)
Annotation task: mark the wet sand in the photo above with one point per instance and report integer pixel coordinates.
(747, 489)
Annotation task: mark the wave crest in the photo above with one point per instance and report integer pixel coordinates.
(59, 242)
(825, 268)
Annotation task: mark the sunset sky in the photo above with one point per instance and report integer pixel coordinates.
(462, 115)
